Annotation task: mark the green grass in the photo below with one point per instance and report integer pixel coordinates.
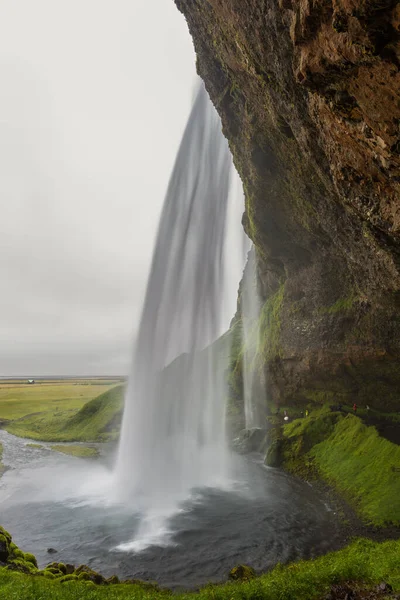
(37, 446)
(80, 451)
(18, 400)
(349, 455)
(362, 561)
(97, 420)
(362, 466)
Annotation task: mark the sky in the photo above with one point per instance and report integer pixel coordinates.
(93, 103)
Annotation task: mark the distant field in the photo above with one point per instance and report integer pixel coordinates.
(63, 411)
(56, 398)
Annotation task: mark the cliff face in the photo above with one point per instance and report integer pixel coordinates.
(309, 96)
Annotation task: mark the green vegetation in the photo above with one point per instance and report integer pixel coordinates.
(340, 305)
(363, 561)
(37, 446)
(97, 421)
(52, 399)
(364, 467)
(360, 464)
(270, 325)
(80, 451)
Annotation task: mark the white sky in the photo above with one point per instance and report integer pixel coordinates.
(94, 98)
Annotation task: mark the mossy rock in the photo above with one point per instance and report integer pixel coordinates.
(31, 558)
(5, 533)
(21, 565)
(56, 571)
(146, 585)
(68, 578)
(113, 580)
(242, 573)
(84, 576)
(93, 575)
(62, 568)
(47, 574)
(4, 548)
(274, 457)
(70, 569)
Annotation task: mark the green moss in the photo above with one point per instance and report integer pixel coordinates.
(23, 565)
(46, 574)
(30, 558)
(242, 573)
(341, 305)
(6, 535)
(68, 578)
(37, 446)
(270, 326)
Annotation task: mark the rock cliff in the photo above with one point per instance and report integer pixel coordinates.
(309, 97)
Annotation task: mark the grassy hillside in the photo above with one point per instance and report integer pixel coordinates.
(364, 564)
(364, 467)
(18, 400)
(97, 420)
(361, 465)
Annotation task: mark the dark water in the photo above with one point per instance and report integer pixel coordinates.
(266, 517)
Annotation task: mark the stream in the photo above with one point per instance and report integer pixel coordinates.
(263, 517)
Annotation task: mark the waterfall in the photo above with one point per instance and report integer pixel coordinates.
(173, 430)
(250, 314)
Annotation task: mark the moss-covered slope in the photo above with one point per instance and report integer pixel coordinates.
(344, 452)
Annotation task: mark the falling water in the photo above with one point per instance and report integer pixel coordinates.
(173, 432)
(250, 314)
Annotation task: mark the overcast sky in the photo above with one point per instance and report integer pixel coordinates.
(93, 102)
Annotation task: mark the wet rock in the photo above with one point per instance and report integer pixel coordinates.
(273, 457)
(90, 575)
(242, 573)
(69, 569)
(249, 440)
(62, 568)
(51, 551)
(4, 552)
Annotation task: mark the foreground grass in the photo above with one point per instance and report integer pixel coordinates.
(363, 561)
(361, 465)
(80, 451)
(97, 420)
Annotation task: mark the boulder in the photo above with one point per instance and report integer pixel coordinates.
(273, 458)
(242, 573)
(250, 440)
